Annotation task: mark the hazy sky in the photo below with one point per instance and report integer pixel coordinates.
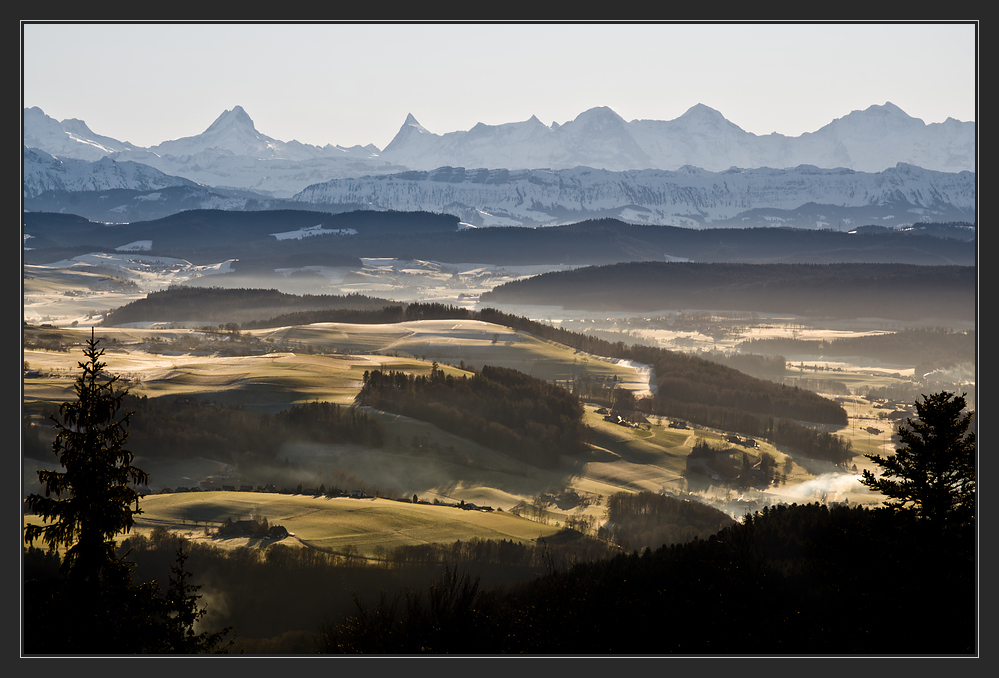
(355, 83)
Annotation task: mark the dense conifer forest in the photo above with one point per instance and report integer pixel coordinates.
(529, 419)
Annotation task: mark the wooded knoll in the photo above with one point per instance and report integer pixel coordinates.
(526, 418)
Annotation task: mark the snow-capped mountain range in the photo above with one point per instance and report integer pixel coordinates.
(697, 170)
(232, 153)
(870, 141)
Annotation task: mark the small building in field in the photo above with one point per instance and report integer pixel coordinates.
(277, 532)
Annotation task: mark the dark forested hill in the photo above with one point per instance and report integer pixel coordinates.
(606, 241)
(221, 306)
(205, 235)
(899, 291)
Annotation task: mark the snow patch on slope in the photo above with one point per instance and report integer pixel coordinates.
(311, 231)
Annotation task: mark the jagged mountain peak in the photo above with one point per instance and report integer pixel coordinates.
(411, 121)
(411, 132)
(236, 117)
(233, 133)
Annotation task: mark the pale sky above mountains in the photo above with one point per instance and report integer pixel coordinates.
(353, 84)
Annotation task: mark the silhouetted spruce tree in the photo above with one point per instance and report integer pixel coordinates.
(94, 498)
(933, 470)
(93, 606)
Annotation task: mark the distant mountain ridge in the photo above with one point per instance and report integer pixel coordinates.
(690, 197)
(801, 197)
(232, 153)
(45, 172)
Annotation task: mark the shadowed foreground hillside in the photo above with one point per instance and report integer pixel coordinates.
(793, 580)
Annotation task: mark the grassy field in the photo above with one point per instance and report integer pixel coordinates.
(336, 525)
